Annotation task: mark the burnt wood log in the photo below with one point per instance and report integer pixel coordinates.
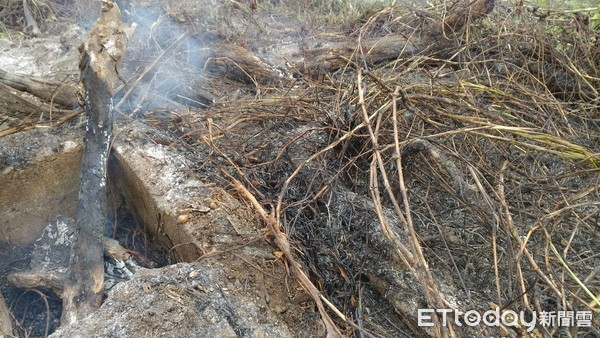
(20, 108)
(240, 64)
(63, 95)
(100, 57)
(434, 37)
(325, 59)
(14, 104)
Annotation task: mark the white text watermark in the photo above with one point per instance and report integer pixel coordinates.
(509, 318)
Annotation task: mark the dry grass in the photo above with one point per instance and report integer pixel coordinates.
(478, 164)
(487, 153)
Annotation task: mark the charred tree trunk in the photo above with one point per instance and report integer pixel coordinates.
(100, 56)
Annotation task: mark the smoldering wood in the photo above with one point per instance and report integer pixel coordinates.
(237, 63)
(101, 55)
(224, 61)
(83, 291)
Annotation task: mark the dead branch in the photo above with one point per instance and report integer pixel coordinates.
(32, 28)
(284, 246)
(21, 110)
(240, 64)
(369, 52)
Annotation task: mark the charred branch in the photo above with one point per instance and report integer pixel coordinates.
(100, 56)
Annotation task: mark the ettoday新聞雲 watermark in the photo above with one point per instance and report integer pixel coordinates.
(509, 318)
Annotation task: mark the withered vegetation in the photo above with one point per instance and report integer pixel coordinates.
(464, 174)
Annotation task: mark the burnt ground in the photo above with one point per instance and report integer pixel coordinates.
(492, 199)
